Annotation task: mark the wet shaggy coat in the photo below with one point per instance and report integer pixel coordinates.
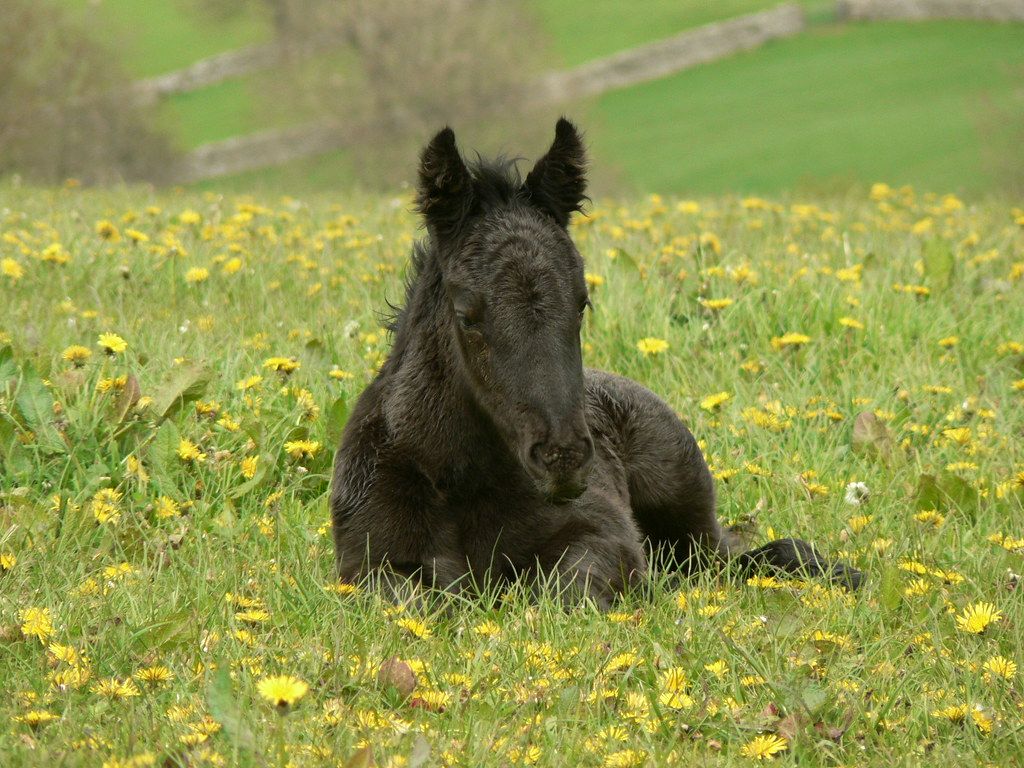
(484, 451)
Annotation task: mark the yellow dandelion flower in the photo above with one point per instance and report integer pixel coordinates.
(977, 617)
(594, 280)
(487, 629)
(189, 451)
(197, 275)
(112, 344)
(11, 269)
(716, 305)
(415, 627)
(112, 688)
(107, 231)
(36, 718)
(712, 402)
(719, 668)
(672, 680)
(342, 588)
(154, 675)
(930, 517)
(282, 691)
(7, 561)
(999, 666)
(136, 236)
(37, 622)
(253, 616)
(949, 342)
(764, 747)
(249, 466)
(625, 758)
(791, 339)
(166, 507)
(651, 346)
(302, 449)
(281, 364)
(249, 383)
(958, 435)
(859, 522)
(852, 323)
(709, 242)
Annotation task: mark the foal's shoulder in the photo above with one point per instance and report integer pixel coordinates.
(608, 388)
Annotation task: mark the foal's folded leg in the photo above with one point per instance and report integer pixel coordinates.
(800, 558)
(593, 568)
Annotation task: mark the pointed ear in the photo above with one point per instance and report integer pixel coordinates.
(558, 181)
(445, 191)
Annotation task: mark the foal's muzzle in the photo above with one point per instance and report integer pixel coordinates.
(561, 468)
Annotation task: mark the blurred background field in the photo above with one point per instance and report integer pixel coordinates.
(937, 104)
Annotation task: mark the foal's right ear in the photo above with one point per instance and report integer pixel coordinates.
(445, 191)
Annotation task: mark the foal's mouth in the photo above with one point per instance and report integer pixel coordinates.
(564, 495)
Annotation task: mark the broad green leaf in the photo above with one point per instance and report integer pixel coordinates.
(170, 632)
(35, 404)
(225, 709)
(263, 467)
(625, 258)
(890, 588)
(939, 263)
(8, 368)
(420, 752)
(126, 399)
(947, 491)
(814, 697)
(928, 494)
(361, 759)
(186, 384)
(163, 456)
(23, 512)
(871, 436)
(960, 495)
(337, 415)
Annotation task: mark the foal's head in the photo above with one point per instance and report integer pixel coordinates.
(515, 296)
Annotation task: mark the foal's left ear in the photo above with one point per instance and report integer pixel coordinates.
(558, 181)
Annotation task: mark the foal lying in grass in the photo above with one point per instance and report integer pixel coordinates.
(483, 450)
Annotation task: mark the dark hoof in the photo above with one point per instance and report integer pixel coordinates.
(799, 558)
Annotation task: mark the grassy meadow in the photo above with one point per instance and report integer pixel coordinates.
(174, 373)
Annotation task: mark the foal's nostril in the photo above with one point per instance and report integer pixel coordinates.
(562, 458)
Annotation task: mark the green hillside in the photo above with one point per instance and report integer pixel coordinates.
(895, 102)
(932, 104)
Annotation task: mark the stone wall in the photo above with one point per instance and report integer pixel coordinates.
(674, 54)
(983, 10)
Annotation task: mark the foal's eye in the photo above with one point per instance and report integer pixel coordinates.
(468, 323)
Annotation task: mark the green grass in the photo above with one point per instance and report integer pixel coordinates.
(587, 30)
(888, 101)
(159, 36)
(234, 583)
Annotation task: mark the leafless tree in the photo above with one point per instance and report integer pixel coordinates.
(387, 72)
(63, 110)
